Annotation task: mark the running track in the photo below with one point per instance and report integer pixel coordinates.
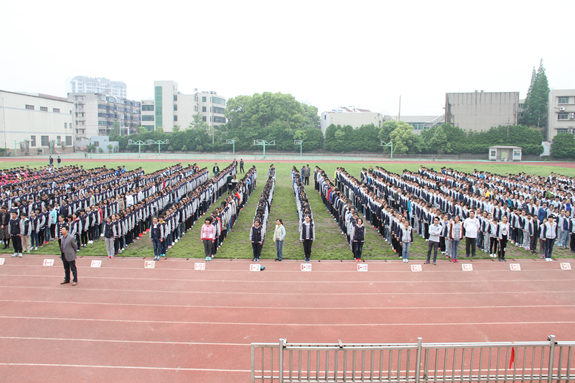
(124, 323)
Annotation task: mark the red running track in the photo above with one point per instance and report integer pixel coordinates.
(124, 323)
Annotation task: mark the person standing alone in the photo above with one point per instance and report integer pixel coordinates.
(279, 235)
(68, 249)
(307, 237)
(471, 226)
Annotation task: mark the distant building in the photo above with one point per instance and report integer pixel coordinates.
(83, 84)
(421, 123)
(95, 115)
(480, 111)
(561, 114)
(103, 142)
(172, 108)
(35, 121)
(352, 116)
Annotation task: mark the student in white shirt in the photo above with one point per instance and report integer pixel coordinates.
(434, 233)
(471, 226)
(502, 237)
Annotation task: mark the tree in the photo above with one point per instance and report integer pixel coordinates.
(536, 102)
(198, 123)
(116, 149)
(184, 148)
(563, 146)
(115, 129)
(100, 150)
(142, 130)
(176, 128)
(402, 137)
(110, 148)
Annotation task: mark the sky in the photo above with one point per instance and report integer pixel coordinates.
(332, 53)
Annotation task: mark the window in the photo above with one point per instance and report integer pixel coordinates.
(219, 110)
(561, 131)
(175, 107)
(563, 116)
(204, 118)
(204, 109)
(55, 110)
(219, 119)
(158, 100)
(175, 97)
(30, 107)
(564, 100)
(147, 108)
(218, 100)
(43, 108)
(204, 99)
(417, 125)
(32, 140)
(195, 108)
(68, 140)
(65, 125)
(147, 118)
(96, 143)
(325, 116)
(175, 117)
(45, 140)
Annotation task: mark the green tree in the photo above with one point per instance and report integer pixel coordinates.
(176, 128)
(115, 131)
(142, 130)
(536, 102)
(198, 123)
(563, 146)
(110, 148)
(403, 138)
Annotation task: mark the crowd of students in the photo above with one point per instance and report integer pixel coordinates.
(118, 205)
(220, 222)
(306, 225)
(263, 209)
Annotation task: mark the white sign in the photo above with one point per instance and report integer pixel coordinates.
(362, 267)
(48, 262)
(2, 261)
(149, 264)
(96, 263)
(515, 266)
(199, 266)
(254, 267)
(466, 267)
(306, 267)
(416, 268)
(565, 266)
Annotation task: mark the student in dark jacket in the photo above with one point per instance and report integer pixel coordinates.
(307, 237)
(109, 237)
(256, 240)
(16, 229)
(358, 238)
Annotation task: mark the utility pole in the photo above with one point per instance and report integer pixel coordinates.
(399, 115)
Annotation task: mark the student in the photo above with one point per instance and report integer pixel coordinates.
(256, 240)
(16, 228)
(242, 165)
(26, 232)
(279, 235)
(208, 236)
(109, 237)
(434, 233)
(406, 240)
(549, 235)
(471, 226)
(502, 236)
(157, 237)
(34, 231)
(455, 235)
(4, 226)
(358, 238)
(534, 231)
(307, 236)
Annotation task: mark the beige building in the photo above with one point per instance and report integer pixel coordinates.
(352, 116)
(35, 123)
(480, 111)
(171, 108)
(561, 115)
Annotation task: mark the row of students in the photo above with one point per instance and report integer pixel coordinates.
(263, 209)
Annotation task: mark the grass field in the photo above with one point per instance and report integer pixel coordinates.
(330, 244)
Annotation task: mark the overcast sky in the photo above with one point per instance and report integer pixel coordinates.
(332, 53)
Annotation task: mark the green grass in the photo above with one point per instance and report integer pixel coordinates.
(330, 244)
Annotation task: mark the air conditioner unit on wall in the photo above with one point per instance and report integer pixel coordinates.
(573, 116)
(562, 108)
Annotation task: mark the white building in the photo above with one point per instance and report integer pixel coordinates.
(84, 84)
(96, 114)
(172, 108)
(352, 116)
(35, 121)
(421, 123)
(561, 114)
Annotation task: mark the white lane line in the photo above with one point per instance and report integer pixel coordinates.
(125, 367)
(292, 281)
(190, 343)
(288, 308)
(298, 293)
(208, 323)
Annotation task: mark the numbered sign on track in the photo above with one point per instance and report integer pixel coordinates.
(306, 267)
(565, 266)
(466, 267)
(48, 262)
(149, 264)
(515, 267)
(96, 263)
(362, 267)
(254, 267)
(199, 266)
(416, 268)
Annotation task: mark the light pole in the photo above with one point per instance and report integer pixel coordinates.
(264, 143)
(160, 143)
(298, 142)
(232, 142)
(139, 143)
(383, 144)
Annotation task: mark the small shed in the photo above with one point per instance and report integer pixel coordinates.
(505, 153)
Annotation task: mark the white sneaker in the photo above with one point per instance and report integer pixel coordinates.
(176, 241)
(15, 255)
(20, 255)
(90, 242)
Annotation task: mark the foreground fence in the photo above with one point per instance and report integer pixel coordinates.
(282, 362)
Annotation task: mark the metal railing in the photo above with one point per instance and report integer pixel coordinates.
(281, 362)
